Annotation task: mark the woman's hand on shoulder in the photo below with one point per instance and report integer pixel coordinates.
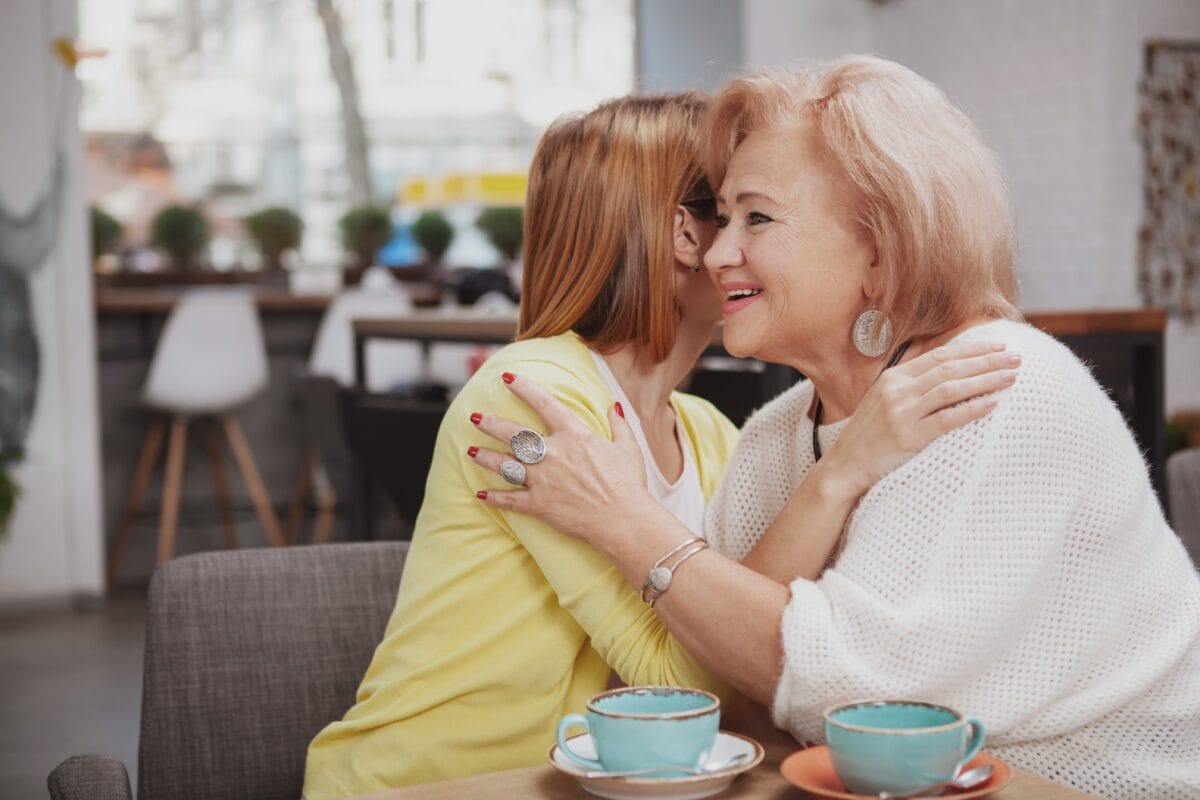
(583, 477)
(914, 403)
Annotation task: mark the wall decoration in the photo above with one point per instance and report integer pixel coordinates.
(25, 243)
(26, 240)
(1169, 128)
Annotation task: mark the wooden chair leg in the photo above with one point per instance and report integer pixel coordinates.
(258, 491)
(172, 488)
(133, 502)
(300, 494)
(212, 439)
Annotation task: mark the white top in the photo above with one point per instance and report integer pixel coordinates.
(1019, 569)
(683, 497)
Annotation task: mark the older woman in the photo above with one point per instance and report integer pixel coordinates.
(1018, 567)
(502, 624)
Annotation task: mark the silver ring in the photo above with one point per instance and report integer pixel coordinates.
(528, 446)
(513, 472)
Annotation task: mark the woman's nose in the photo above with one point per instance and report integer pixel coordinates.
(723, 253)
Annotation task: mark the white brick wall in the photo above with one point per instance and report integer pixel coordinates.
(782, 31)
(1035, 76)
(1053, 86)
(54, 547)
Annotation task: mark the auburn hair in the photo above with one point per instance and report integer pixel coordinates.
(599, 213)
(928, 190)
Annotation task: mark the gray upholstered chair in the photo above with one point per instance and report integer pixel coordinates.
(1183, 498)
(248, 654)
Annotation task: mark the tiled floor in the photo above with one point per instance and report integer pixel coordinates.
(70, 683)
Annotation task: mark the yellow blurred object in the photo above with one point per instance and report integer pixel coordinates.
(71, 54)
(488, 188)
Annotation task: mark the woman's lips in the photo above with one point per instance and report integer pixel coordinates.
(738, 303)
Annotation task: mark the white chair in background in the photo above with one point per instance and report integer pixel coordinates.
(210, 360)
(324, 471)
(388, 363)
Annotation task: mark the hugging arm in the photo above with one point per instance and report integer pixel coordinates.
(728, 614)
(622, 629)
(720, 612)
(907, 408)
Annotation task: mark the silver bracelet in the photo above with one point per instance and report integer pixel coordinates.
(659, 579)
(676, 549)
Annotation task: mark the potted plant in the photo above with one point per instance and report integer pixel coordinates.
(275, 230)
(182, 231)
(364, 230)
(434, 233)
(9, 491)
(502, 226)
(106, 233)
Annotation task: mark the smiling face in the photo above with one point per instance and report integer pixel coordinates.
(790, 259)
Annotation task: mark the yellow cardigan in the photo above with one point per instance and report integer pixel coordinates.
(502, 625)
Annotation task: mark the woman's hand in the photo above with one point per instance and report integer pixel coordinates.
(582, 480)
(914, 403)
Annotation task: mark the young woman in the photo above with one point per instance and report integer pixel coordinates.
(502, 625)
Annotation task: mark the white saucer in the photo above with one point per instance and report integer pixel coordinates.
(691, 787)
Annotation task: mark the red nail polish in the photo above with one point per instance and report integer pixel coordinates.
(476, 418)
(472, 451)
(508, 377)
(481, 494)
(620, 411)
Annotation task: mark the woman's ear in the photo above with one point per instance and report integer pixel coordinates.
(686, 236)
(872, 282)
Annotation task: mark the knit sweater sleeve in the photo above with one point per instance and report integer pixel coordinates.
(1003, 570)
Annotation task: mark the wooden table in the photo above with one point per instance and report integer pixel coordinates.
(160, 300)
(762, 783)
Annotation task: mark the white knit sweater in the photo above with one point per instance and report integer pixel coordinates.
(1018, 568)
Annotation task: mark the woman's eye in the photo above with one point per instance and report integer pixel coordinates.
(755, 218)
(722, 220)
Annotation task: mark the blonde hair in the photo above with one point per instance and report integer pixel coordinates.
(599, 215)
(928, 190)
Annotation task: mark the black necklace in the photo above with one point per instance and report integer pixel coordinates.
(820, 410)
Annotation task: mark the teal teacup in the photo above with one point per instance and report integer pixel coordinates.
(641, 727)
(898, 745)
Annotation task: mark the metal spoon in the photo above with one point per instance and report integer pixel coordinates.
(966, 780)
(733, 761)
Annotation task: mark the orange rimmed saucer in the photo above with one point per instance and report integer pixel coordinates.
(812, 771)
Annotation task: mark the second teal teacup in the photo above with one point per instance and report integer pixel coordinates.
(898, 745)
(641, 727)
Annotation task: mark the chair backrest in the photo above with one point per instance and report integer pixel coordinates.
(1183, 498)
(321, 409)
(392, 438)
(388, 363)
(249, 653)
(211, 356)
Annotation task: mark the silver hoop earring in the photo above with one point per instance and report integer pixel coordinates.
(866, 341)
